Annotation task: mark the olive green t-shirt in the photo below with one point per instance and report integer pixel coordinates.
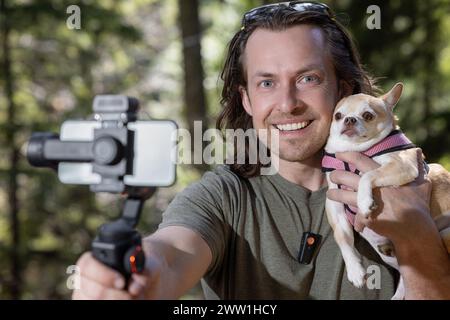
(254, 229)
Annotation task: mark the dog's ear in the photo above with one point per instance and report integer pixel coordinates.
(345, 89)
(391, 98)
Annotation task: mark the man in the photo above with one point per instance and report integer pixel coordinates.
(239, 231)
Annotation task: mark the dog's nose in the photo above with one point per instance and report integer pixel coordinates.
(349, 121)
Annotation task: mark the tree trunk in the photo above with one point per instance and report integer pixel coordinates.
(15, 284)
(195, 108)
(430, 67)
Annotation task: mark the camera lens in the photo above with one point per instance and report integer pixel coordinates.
(35, 150)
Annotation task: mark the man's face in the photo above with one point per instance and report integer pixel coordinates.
(291, 87)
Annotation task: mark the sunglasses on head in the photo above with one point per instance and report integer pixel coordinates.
(261, 12)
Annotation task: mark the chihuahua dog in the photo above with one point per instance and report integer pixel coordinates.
(367, 124)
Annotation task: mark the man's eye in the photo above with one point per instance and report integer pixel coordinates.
(266, 84)
(308, 79)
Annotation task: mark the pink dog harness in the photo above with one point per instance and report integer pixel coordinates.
(395, 141)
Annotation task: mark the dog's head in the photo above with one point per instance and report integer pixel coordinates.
(363, 120)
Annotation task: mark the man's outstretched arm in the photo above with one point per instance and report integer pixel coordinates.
(176, 259)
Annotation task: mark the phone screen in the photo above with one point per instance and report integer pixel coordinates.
(154, 153)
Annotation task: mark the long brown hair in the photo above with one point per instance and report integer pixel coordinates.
(341, 48)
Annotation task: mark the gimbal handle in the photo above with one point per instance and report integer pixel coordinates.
(118, 244)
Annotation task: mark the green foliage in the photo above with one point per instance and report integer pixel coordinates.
(56, 73)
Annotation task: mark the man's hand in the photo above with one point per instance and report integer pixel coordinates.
(402, 213)
(99, 282)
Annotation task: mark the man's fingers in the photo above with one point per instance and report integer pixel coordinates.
(422, 166)
(93, 290)
(362, 162)
(343, 196)
(136, 289)
(95, 270)
(138, 284)
(79, 295)
(360, 222)
(345, 178)
(443, 221)
(142, 279)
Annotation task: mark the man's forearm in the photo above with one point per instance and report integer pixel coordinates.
(425, 267)
(164, 282)
(157, 269)
(174, 267)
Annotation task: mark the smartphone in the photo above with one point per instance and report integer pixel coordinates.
(154, 161)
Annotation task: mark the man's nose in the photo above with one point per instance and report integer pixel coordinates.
(349, 121)
(288, 99)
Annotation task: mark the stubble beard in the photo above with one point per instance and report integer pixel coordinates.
(298, 150)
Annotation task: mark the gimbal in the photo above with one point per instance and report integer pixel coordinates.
(110, 152)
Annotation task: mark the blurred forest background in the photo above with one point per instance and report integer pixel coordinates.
(169, 55)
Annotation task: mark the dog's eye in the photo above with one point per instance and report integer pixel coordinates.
(367, 116)
(338, 116)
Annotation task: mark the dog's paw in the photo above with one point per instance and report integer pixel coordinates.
(366, 205)
(356, 275)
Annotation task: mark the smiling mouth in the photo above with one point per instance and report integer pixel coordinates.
(292, 126)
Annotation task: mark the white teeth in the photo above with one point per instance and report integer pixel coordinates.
(292, 126)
